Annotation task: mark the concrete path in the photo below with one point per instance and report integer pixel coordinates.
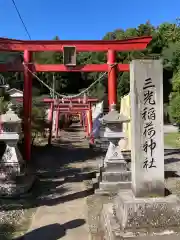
(170, 128)
(66, 220)
(62, 211)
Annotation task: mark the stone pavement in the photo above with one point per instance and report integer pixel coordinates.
(169, 128)
(66, 220)
(61, 200)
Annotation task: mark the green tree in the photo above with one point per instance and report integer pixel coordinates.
(174, 109)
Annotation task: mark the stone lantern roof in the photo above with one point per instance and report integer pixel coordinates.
(10, 117)
(114, 117)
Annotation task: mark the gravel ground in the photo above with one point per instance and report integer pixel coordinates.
(14, 222)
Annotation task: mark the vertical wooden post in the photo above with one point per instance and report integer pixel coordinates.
(80, 119)
(50, 123)
(57, 122)
(27, 103)
(86, 124)
(90, 124)
(112, 79)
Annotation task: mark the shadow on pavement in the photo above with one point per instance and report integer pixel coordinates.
(53, 231)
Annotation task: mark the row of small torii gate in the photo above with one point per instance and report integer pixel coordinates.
(70, 50)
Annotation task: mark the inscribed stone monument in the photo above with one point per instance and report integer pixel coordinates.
(147, 151)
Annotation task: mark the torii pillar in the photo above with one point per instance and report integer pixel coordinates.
(112, 78)
(27, 103)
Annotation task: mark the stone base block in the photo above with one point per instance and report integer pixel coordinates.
(124, 176)
(111, 230)
(103, 192)
(116, 165)
(16, 188)
(114, 186)
(142, 218)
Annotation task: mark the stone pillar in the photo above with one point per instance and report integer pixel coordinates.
(114, 170)
(148, 135)
(15, 177)
(144, 212)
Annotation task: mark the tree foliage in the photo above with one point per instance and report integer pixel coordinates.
(4, 101)
(38, 120)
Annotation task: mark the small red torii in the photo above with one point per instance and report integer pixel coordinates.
(28, 47)
(70, 104)
(67, 106)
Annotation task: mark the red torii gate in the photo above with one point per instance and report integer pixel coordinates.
(28, 47)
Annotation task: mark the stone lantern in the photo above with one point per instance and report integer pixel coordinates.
(114, 171)
(13, 171)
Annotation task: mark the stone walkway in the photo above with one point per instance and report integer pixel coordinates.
(66, 220)
(61, 198)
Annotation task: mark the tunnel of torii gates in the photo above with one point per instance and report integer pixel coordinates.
(69, 107)
(69, 49)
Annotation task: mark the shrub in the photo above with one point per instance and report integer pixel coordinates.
(174, 108)
(38, 121)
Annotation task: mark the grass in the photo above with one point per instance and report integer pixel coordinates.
(172, 139)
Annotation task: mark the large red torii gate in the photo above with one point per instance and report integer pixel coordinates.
(28, 47)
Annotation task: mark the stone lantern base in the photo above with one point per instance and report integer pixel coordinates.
(115, 172)
(134, 218)
(16, 178)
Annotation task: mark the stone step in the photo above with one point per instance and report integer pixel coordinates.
(95, 184)
(124, 176)
(119, 157)
(114, 186)
(115, 166)
(101, 162)
(98, 177)
(102, 192)
(94, 180)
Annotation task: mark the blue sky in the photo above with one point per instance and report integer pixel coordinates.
(81, 19)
